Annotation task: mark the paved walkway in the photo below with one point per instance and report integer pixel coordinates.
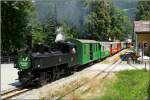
(8, 76)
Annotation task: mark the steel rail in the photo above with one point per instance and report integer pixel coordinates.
(12, 93)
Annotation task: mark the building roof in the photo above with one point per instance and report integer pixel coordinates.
(141, 26)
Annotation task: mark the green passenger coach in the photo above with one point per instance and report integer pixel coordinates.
(87, 50)
(105, 49)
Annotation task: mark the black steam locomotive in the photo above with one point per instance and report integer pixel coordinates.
(44, 64)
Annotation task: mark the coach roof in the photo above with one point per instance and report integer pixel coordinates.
(86, 41)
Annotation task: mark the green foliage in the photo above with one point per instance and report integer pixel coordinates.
(106, 21)
(128, 27)
(121, 26)
(143, 10)
(69, 32)
(98, 21)
(19, 21)
(44, 32)
(49, 29)
(15, 24)
(129, 85)
(38, 36)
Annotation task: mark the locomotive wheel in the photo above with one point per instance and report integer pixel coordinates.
(50, 76)
(24, 83)
(42, 79)
(68, 71)
(25, 78)
(56, 74)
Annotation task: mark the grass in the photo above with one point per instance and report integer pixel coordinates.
(129, 85)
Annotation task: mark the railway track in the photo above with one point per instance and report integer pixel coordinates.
(15, 92)
(109, 70)
(12, 93)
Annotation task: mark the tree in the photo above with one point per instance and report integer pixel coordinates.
(49, 28)
(117, 25)
(15, 24)
(69, 31)
(98, 21)
(143, 10)
(38, 36)
(121, 26)
(106, 21)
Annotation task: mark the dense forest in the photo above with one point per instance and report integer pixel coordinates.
(89, 19)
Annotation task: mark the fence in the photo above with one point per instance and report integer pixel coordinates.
(7, 59)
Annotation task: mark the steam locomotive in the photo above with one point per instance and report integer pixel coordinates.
(45, 64)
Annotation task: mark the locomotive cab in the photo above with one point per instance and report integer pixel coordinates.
(41, 48)
(63, 47)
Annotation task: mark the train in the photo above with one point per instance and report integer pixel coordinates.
(45, 64)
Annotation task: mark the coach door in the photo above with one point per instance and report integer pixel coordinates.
(91, 52)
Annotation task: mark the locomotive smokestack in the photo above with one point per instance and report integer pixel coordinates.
(60, 35)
